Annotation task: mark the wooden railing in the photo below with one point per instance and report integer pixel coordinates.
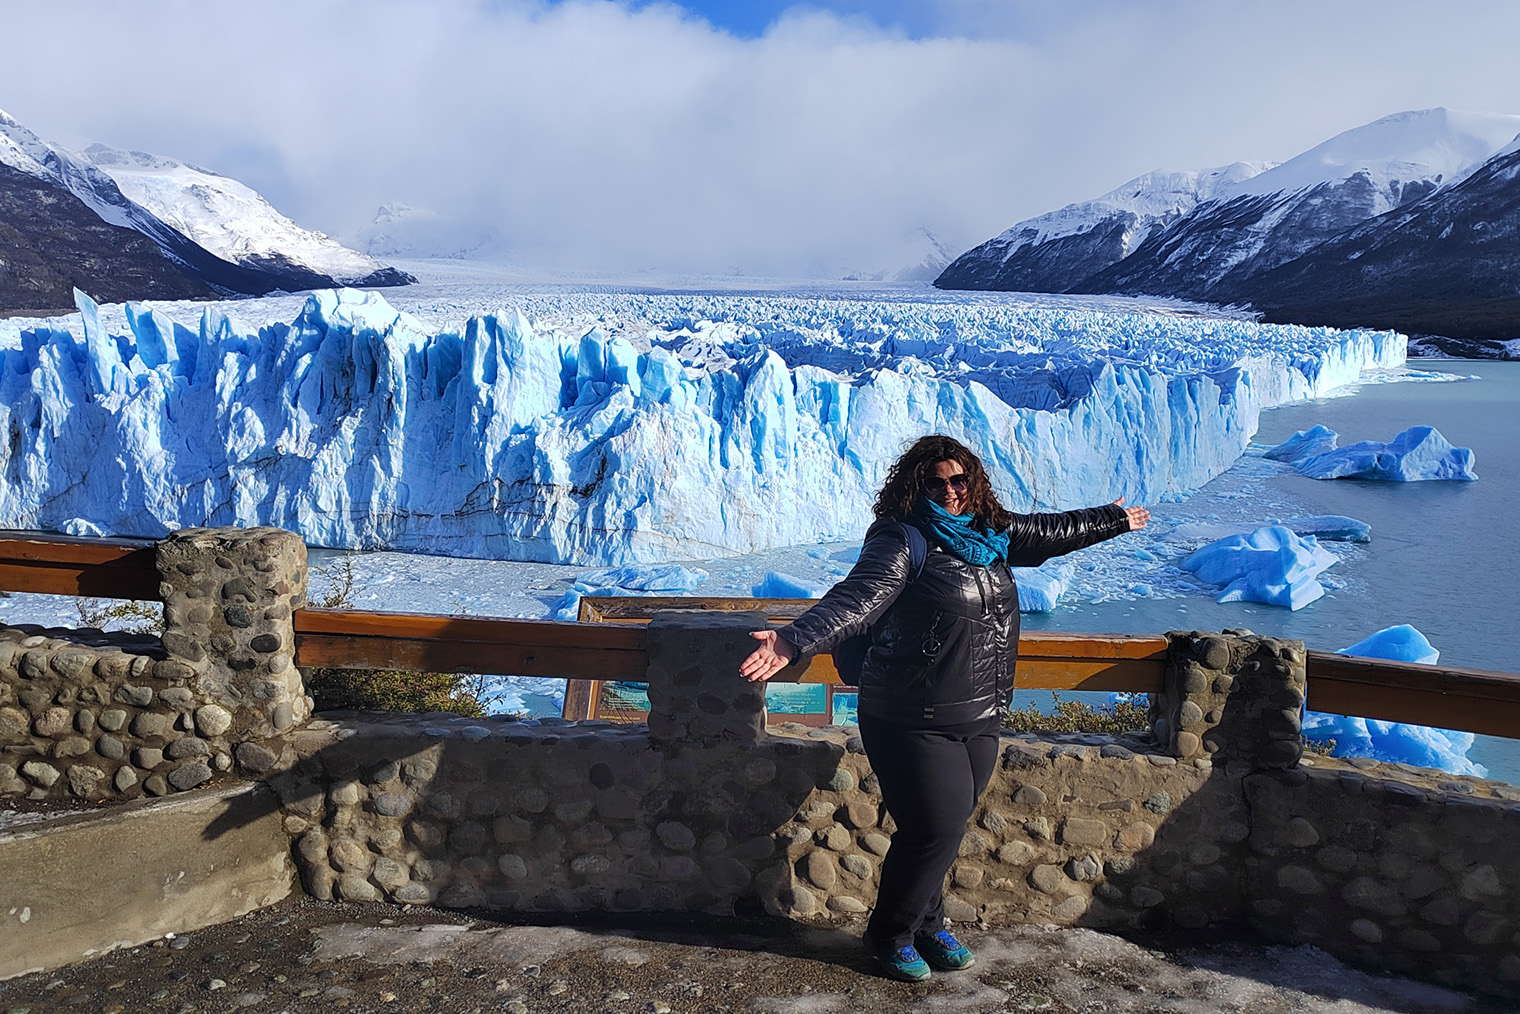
(610, 645)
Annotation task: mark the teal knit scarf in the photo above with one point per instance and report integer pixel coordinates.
(958, 534)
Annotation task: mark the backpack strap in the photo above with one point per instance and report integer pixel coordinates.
(918, 549)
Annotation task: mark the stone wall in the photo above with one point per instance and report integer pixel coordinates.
(704, 810)
(96, 716)
(1214, 822)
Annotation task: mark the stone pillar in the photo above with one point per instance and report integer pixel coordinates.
(228, 596)
(696, 695)
(1234, 697)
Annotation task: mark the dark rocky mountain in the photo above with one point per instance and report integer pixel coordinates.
(1025, 264)
(1409, 222)
(1448, 265)
(63, 216)
(1212, 255)
(51, 242)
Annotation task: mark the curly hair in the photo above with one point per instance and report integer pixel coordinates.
(905, 482)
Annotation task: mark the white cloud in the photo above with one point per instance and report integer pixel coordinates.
(588, 133)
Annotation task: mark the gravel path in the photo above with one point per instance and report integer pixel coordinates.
(306, 956)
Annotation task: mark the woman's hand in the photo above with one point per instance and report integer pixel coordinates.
(774, 654)
(1139, 517)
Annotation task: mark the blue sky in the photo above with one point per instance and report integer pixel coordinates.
(725, 136)
(750, 18)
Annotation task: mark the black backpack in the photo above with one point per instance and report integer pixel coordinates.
(850, 654)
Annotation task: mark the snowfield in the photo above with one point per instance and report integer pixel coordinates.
(616, 427)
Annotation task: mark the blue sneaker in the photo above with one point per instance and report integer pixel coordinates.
(903, 963)
(944, 952)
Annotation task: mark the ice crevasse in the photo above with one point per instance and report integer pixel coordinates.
(358, 427)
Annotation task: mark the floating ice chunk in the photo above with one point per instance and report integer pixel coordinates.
(1315, 440)
(1325, 527)
(1445, 749)
(1270, 565)
(1331, 528)
(633, 579)
(780, 585)
(1416, 454)
(1040, 588)
(1393, 741)
(1401, 643)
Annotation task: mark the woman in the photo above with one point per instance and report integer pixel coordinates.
(939, 672)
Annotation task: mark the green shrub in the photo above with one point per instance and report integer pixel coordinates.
(1074, 716)
(388, 690)
(131, 616)
(382, 689)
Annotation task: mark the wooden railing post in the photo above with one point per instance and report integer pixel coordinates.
(1233, 697)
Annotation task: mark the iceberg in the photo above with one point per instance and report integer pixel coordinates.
(630, 580)
(1445, 749)
(1271, 565)
(1324, 527)
(1040, 588)
(1419, 453)
(625, 428)
(781, 585)
(1304, 443)
(1401, 643)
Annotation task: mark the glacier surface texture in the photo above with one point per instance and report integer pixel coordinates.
(665, 428)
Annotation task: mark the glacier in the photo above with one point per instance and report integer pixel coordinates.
(629, 427)
(1417, 454)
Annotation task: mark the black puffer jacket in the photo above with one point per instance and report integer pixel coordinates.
(943, 646)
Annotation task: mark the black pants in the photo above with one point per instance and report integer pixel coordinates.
(930, 780)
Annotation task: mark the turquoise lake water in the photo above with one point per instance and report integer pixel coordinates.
(1443, 555)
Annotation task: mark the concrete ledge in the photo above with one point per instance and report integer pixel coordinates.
(84, 883)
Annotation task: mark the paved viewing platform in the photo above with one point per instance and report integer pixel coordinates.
(303, 956)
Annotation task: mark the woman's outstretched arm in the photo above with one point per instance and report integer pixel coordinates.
(848, 608)
(1035, 538)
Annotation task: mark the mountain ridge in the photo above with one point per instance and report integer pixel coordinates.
(1236, 246)
(86, 257)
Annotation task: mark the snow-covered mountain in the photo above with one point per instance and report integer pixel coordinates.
(214, 230)
(1448, 265)
(1245, 225)
(401, 230)
(232, 221)
(1056, 250)
(51, 241)
(921, 257)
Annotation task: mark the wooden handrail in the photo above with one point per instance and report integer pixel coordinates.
(611, 646)
(421, 642)
(1447, 697)
(65, 565)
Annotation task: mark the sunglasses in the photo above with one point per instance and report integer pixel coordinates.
(937, 484)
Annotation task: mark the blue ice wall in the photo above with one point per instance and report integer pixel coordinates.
(358, 427)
